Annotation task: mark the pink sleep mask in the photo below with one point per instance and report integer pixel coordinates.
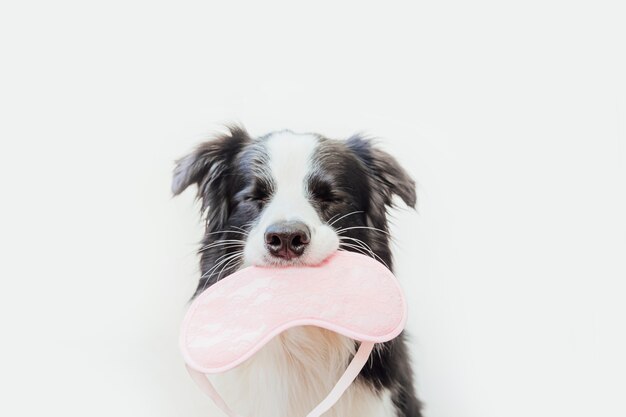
(351, 294)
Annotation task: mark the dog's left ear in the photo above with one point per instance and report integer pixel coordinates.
(386, 172)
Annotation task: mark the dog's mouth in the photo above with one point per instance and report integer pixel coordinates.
(271, 261)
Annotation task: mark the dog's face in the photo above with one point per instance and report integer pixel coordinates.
(288, 198)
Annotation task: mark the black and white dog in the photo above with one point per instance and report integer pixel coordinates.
(288, 198)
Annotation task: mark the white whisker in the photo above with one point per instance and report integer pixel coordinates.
(358, 242)
(219, 276)
(214, 268)
(344, 216)
(363, 227)
(218, 262)
(227, 231)
(222, 242)
(246, 232)
(356, 248)
(367, 247)
(225, 246)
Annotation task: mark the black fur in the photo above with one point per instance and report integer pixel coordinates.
(350, 176)
(366, 182)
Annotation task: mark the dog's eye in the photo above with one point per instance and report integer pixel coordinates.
(256, 197)
(323, 192)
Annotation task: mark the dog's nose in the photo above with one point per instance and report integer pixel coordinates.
(287, 239)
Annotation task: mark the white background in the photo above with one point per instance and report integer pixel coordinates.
(510, 115)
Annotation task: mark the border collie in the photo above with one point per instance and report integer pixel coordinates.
(284, 199)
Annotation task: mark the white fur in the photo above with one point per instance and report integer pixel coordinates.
(297, 369)
(293, 373)
(290, 162)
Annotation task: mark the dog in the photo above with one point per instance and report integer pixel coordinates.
(294, 199)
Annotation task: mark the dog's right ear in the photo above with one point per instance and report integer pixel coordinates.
(209, 167)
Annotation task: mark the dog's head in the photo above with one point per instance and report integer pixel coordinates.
(288, 198)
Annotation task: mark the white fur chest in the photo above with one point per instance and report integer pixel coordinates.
(293, 373)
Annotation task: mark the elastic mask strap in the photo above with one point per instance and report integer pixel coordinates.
(352, 371)
(208, 388)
